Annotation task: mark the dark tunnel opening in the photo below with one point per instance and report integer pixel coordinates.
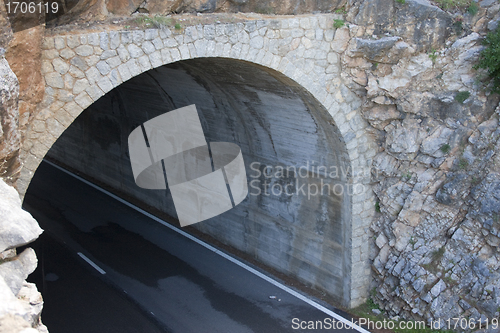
(291, 148)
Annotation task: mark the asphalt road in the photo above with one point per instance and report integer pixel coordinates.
(156, 280)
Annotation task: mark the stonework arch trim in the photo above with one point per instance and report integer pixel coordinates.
(112, 58)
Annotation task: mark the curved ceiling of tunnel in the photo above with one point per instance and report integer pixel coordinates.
(275, 122)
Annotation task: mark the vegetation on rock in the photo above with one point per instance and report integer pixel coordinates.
(461, 96)
(338, 24)
(489, 59)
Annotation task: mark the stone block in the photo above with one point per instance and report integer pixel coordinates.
(73, 109)
(73, 41)
(84, 50)
(123, 53)
(184, 52)
(108, 54)
(104, 41)
(148, 47)
(135, 51)
(114, 39)
(59, 43)
(93, 39)
(115, 61)
(156, 59)
(124, 72)
(54, 80)
(158, 43)
(67, 53)
(175, 54)
(103, 67)
(94, 92)
(144, 63)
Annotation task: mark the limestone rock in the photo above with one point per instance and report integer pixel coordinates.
(438, 288)
(5, 30)
(380, 116)
(432, 145)
(9, 302)
(377, 13)
(24, 57)
(125, 7)
(20, 313)
(32, 301)
(421, 24)
(452, 192)
(404, 139)
(14, 324)
(384, 50)
(17, 227)
(9, 133)
(14, 272)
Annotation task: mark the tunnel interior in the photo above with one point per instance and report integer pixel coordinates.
(292, 219)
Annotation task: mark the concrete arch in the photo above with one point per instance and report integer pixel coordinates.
(80, 68)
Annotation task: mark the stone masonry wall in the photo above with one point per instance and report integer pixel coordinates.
(80, 67)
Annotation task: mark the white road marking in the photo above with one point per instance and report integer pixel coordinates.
(213, 249)
(91, 263)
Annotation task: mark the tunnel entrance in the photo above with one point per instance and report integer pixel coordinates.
(296, 218)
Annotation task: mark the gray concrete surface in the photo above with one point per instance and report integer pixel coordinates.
(276, 124)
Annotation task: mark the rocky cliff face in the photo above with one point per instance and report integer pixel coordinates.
(21, 303)
(86, 10)
(436, 235)
(10, 142)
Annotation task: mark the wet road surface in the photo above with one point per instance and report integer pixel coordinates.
(155, 280)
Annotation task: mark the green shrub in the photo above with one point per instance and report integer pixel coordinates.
(461, 96)
(178, 26)
(445, 148)
(371, 304)
(377, 207)
(437, 255)
(401, 1)
(338, 23)
(433, 56)
(473, 8)
(447, 4)
(463, 163)
(489, 59)
(157, 21)
(458, 24)
(406, 175)
(340, 11)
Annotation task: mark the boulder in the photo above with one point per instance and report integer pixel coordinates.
(14, 272)
(5, 30)
(421, 24)
(384, 50)
(9, 117)
(25, 59)
(17, 227)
